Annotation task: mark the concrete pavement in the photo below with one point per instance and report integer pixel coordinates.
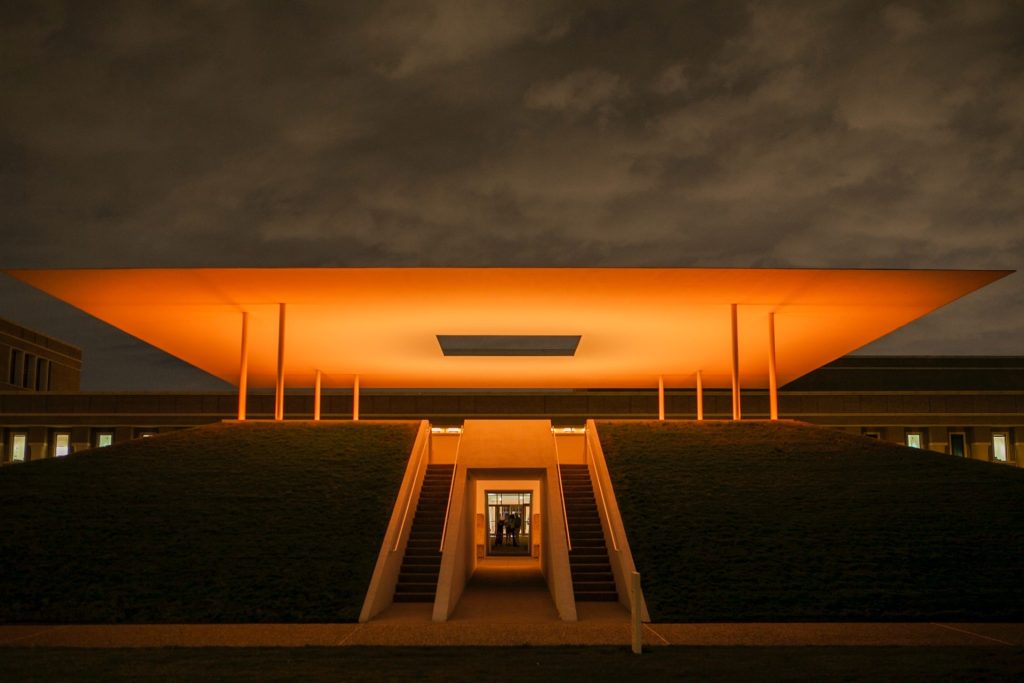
(508, 603)
(412, 627)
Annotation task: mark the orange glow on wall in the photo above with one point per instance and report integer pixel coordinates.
(382, 323)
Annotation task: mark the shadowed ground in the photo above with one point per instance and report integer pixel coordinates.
(225, 523)
(758, 521)
(562, 664)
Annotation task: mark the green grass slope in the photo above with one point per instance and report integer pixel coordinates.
(759, 521)
(250, 522)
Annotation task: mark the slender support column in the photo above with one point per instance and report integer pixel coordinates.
(700, 396)
(355, 399)
(279, 389)
(243, 367)
(735, 366)
(661, 398)
(316, 396)
(773, 380)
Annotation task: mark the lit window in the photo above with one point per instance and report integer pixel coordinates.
(61, 445)
(104, 439)
(999, 447)
(19, 447)
(914, 439)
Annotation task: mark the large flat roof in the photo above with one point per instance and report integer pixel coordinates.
(634, 324)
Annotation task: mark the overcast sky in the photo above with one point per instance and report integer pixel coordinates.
(444, 132)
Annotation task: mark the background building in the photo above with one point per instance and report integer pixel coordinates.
(30, 361)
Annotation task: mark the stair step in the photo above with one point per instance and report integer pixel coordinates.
(416, 586)
(414, 597)
(597, 597)
(421, 565)
(421, 571)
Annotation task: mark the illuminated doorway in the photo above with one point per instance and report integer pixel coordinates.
(509, 522)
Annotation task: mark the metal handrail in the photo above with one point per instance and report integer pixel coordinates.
(451, 487)
(561, 492)
(408, 499)
(600, 490)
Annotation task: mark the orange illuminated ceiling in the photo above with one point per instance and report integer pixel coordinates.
(382, 323)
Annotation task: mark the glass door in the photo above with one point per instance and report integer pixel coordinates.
(508, 522)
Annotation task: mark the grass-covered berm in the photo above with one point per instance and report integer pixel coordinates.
(252, 522)
(761, 521)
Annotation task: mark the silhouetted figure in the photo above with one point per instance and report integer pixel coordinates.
(500, 531)
(515, 521)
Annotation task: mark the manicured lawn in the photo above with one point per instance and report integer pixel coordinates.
(785, 522)
(226, 523)
(563, 664)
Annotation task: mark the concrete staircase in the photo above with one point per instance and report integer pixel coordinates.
(417, 580)
(592, 579)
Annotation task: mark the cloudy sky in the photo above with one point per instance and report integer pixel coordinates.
(544, 133)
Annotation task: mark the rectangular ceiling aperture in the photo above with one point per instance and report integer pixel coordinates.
(508, 344)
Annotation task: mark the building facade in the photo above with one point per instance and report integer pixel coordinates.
(970, 407)
(30, 361)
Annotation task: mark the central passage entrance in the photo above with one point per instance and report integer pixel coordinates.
(509, 522)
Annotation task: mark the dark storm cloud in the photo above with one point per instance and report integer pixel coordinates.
(518, 133)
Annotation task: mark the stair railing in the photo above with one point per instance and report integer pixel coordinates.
(408, 499)
(600, 491)
(561, 493)
(451, 487)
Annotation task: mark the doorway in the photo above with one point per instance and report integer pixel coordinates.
(509, 523)
(958, 444)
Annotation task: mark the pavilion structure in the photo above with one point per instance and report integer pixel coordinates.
(507, 328)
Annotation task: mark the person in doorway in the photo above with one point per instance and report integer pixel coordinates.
(499, 531)
(516, 522)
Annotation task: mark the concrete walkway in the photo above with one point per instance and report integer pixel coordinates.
(411, 627)
(507, 602)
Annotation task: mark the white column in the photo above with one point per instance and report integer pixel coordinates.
(355, 399)
(279, 389)
(316, 396)
(700, 396)
(243, 368)
(773, 380)
(661, 398)
(735, 366)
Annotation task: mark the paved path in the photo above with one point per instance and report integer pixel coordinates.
(412, 627)
(507, 602)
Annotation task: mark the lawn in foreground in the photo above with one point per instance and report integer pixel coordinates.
(250, 522)
(565, 664)
(761, 521)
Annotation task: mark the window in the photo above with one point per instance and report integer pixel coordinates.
(19, 447)
(873, 435)
(42, 374)
(61, 444)
(104, 439)
(914, 439)
(13, 374)
(1000, 446)
(958, 444)
(26, 371)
